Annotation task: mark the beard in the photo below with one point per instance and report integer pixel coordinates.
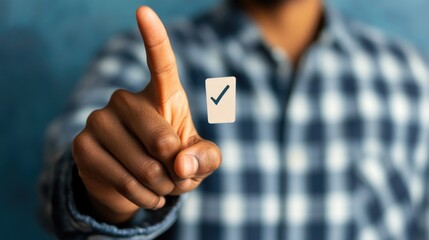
(261, 3)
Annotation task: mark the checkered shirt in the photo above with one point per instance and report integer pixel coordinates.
(336, 149)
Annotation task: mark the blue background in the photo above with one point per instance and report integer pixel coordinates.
(45, 45)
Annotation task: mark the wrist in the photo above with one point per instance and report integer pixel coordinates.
(106, 214)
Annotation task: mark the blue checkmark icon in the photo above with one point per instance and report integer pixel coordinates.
(216, 101)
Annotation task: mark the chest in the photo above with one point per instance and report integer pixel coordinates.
(334, 118)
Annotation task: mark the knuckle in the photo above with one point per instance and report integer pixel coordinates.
(155, 176)
(153, 173)
(97, 118)
(128, 186)
(121, 98)
(165, 145)
(119, 95)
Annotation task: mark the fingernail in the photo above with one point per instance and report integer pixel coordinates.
(161, 203)
(190, 166)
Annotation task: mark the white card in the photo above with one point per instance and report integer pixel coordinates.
(220, 98)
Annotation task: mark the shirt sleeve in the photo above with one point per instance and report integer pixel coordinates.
(121, 64)
(419, 70)
(424, 221)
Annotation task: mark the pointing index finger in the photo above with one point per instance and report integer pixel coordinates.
(160, 56)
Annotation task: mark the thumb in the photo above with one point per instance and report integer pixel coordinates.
(160, 56)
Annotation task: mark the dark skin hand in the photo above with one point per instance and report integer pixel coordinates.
(143, 146)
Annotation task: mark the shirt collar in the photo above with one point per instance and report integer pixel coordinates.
(336, 30)
(235, 24)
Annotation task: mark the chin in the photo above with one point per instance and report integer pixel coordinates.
(263, 3)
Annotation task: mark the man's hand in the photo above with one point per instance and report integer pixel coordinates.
(143, 146)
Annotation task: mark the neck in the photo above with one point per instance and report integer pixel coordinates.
(291, 26)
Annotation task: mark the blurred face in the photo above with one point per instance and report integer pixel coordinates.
(267, 3)
(263, 3)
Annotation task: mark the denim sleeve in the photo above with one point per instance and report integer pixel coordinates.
(120, 65)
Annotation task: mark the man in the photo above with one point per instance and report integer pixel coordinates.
(331, 138)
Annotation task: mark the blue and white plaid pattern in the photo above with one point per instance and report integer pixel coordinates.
(337, 149)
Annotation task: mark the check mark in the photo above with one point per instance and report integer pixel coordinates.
(216, 101)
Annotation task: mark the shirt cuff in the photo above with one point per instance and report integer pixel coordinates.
(72, 221)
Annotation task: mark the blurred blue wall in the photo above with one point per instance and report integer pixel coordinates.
(45, 45)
